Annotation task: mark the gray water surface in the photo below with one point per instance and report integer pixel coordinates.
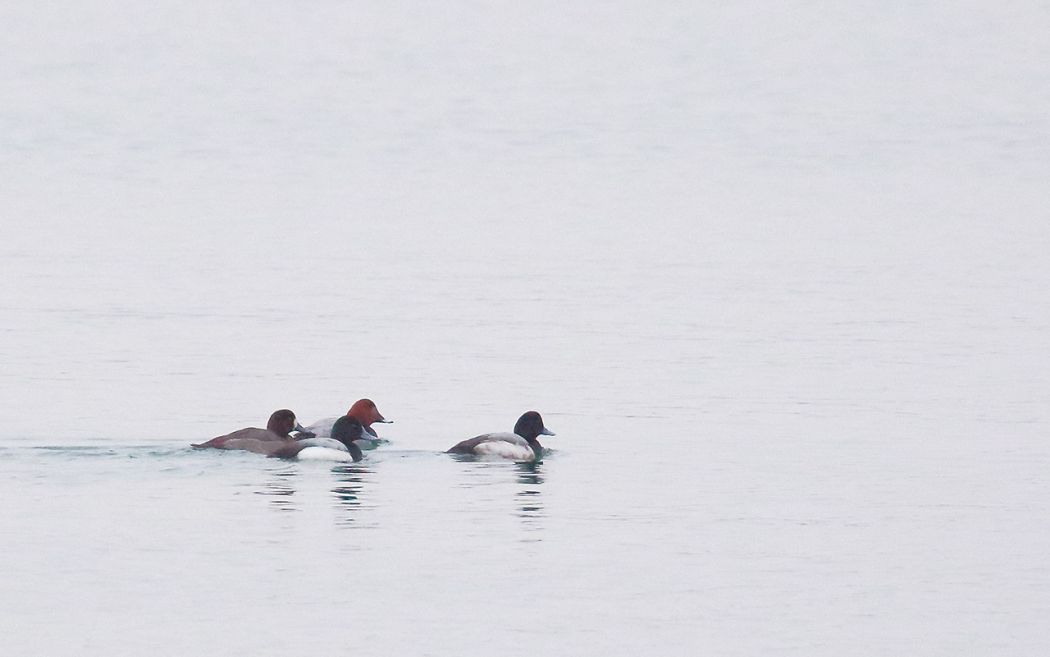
(774, 273)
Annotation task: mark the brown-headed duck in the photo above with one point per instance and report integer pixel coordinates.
(278, 427)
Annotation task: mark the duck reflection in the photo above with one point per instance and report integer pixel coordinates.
(281, 487)
(530, 503)
(349, 480)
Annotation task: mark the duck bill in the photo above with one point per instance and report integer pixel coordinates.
(383, 420)
(299, 427)
(547, 432)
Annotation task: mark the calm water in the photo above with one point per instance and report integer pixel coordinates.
(775, 274)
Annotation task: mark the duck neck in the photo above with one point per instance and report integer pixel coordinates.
(536, 446)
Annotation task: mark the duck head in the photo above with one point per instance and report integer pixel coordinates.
(365, 412)
(530, 425)
(346, 430)
(283, 422)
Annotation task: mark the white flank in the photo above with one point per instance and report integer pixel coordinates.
(330, 443)
(324, 454)
(505, 446)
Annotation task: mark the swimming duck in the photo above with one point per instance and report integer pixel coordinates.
(520, 445)
(342, 446)
(278, 427)
(365, 412)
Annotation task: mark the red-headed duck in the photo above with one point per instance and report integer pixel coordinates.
(365, 412)
(520, 445)
(280, 424)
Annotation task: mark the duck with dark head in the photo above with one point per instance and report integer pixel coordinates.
(522, 445)
(342, 446)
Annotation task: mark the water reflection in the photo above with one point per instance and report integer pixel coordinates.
(281, 487)
(349, 483)
(530, 503)
(528, 478)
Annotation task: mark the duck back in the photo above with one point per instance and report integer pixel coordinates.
(503, 445)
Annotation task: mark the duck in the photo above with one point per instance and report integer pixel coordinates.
(341, 446)
(519, 446)
(281, 424)
(366, 413)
